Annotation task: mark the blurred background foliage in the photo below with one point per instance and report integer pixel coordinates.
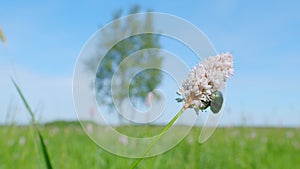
(145, 81)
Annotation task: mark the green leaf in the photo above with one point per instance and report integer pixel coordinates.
(216, 102)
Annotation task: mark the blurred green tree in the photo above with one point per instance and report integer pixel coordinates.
(144, 82)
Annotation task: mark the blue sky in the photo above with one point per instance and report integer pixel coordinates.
(44, 39)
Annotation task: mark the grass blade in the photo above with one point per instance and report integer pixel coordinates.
(24, 100)
(45, 152)
(41, 140)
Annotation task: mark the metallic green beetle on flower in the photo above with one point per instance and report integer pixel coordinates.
(202, 87)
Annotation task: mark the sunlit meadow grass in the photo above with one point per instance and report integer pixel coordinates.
(69, 147)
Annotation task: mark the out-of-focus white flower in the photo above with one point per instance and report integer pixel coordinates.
(205, 80)
(289, 134)
(22, 141)
(123, 140)
(89, 128)
(148, 99)
(54, 131)
(252, 135)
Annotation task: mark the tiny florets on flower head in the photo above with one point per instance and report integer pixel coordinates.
(205, 79)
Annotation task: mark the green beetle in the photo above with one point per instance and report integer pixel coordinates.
(216, 102)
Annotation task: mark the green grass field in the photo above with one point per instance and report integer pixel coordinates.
(69, 147)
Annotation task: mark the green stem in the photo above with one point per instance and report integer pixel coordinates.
(158, 137)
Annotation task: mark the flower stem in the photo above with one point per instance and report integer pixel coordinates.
(159, 136)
